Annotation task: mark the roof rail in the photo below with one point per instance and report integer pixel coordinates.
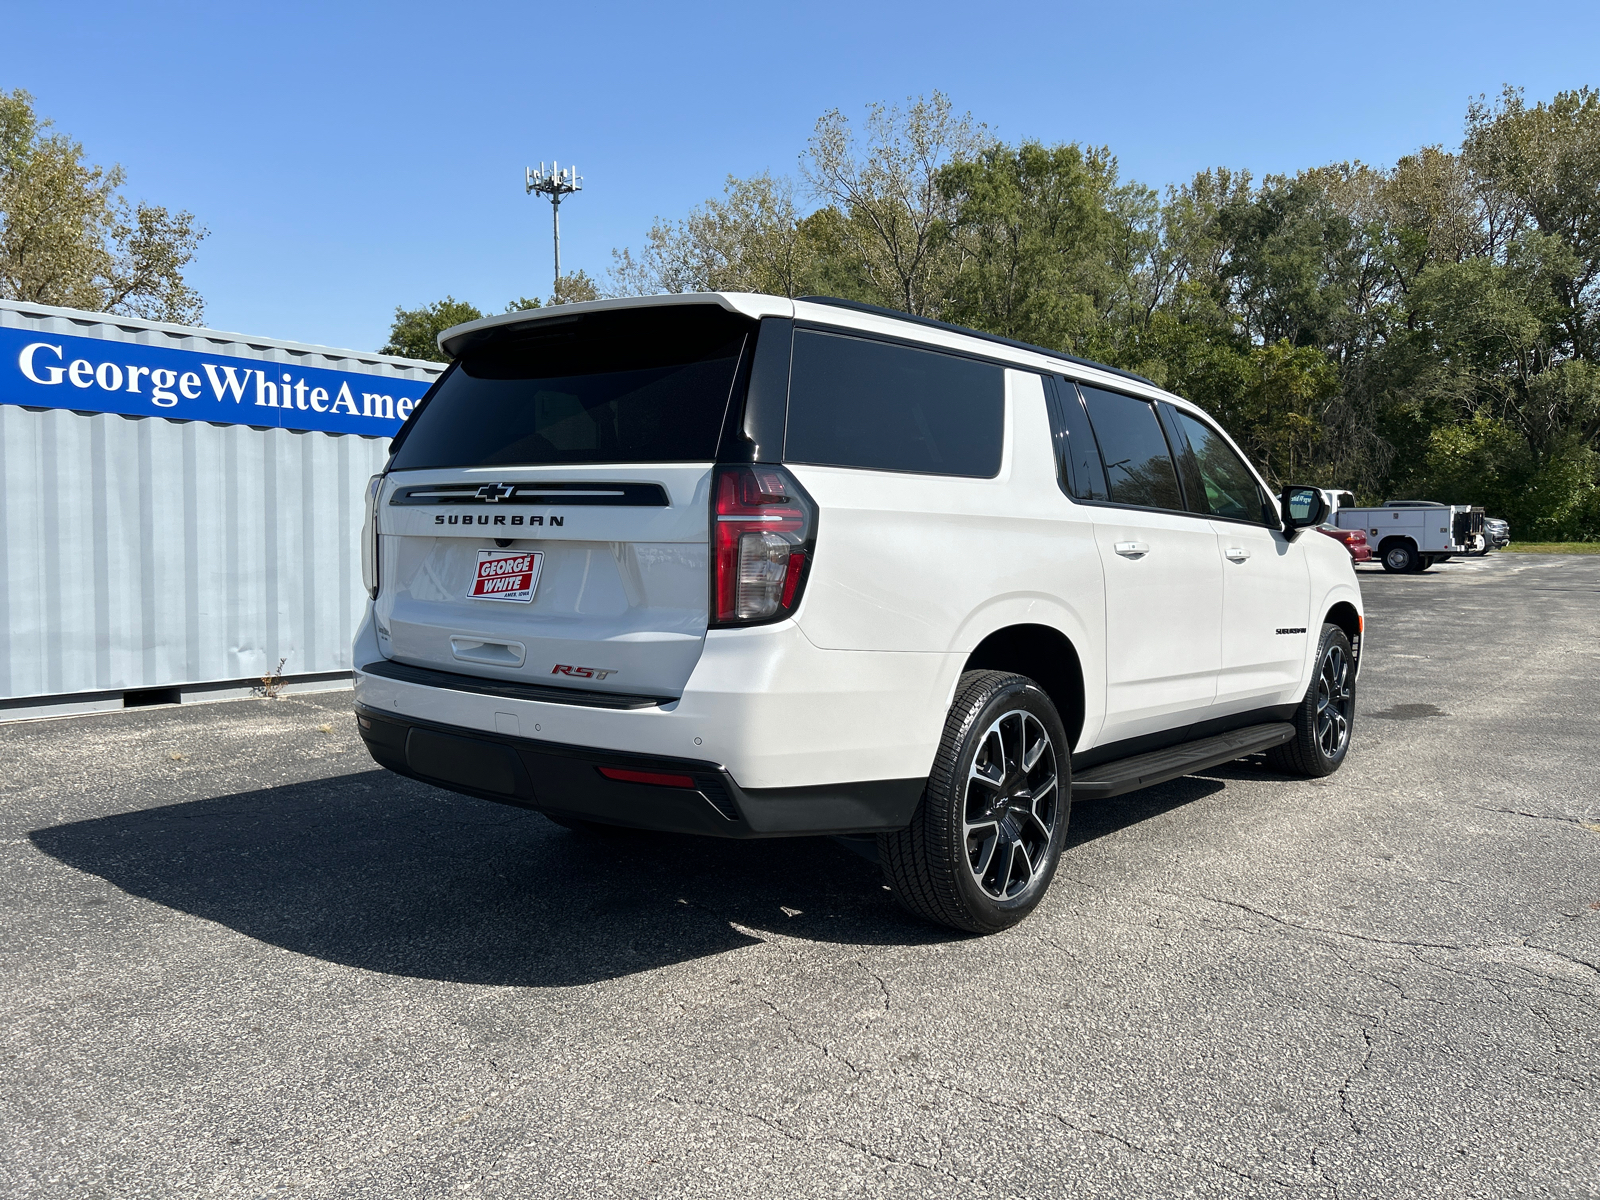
(880, 310)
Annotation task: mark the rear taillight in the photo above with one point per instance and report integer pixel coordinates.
(762, 543)
(369, 536)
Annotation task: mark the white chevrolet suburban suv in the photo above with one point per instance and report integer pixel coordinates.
(747, 566)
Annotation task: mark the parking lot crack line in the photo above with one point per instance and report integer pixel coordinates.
(1577, 962)
(1138, 1148)
(1399, 989)
(791, 1027)
(1323, 929)
(1536, 980)
(804, 1139)
(1373, 1020)
(882, 986)
(1521, 812)
(1361, 1069)
(1097, 1130)
(1586, 1085)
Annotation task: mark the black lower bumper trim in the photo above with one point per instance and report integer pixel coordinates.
(508, 689)
(565, 780)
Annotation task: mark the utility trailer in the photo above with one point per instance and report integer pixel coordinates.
(1412, 535)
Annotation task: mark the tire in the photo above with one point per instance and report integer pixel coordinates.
(1401, 559)
(1425, 563)
(1325, 719)
(984, 842)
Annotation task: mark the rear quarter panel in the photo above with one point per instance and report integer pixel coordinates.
(933, 564)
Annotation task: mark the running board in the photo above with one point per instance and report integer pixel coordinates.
(1147, 770)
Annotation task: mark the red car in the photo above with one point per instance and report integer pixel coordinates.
(1354, 541)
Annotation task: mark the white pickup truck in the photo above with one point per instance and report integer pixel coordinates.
(1412, 535)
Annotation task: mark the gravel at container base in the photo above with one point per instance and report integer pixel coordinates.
(239, 960)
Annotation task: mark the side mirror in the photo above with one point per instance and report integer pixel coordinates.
(1302, 508)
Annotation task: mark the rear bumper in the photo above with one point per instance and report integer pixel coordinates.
(566, 780)
(764, 703)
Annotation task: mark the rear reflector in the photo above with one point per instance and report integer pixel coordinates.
(654, 778)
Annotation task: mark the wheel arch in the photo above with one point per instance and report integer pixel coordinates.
(1344, 615)
(1045, 655)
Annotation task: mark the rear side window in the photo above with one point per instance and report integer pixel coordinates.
(637, 386)
(1138, 464)
(1225, 486)
(1082, 471)
(860, 403)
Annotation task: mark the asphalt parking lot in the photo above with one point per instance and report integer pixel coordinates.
(239, 960)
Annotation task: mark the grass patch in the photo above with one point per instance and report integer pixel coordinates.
(1552, 548)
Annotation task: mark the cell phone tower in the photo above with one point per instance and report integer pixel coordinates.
(557, 183)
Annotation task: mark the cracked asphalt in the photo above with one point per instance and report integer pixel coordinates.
(239, 960)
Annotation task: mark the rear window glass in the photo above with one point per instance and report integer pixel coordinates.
(1138, 463)
(642, 385)
(860, 403)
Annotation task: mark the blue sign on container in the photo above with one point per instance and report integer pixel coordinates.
(50, 370)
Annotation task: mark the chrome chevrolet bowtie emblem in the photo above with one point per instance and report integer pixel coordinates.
(495, 492)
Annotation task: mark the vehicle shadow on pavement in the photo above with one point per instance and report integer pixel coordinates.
(1092, 819)
(385, 874)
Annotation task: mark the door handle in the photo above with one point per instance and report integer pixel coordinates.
(1132, 549)
(1237, 553)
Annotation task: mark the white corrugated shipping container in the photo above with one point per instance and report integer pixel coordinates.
(180, 556)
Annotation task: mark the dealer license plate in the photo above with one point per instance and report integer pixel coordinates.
(506, 575)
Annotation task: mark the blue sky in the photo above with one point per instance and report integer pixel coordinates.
(348, 158)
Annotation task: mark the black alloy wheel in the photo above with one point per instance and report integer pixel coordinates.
(984, 843)
(1325, 719)
(1010, 804)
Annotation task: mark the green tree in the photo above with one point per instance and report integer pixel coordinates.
(1034, 240)
(1538, 169)
(68, 237)
(570, 289)
(887, 188)
(1431, 328)
(415, 332)
(751, 239)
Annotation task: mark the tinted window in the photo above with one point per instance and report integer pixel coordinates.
(642, 385)
(1227, 487)
(1085, 478)
(859, 403)
(1194, 493)
(1138, 463)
